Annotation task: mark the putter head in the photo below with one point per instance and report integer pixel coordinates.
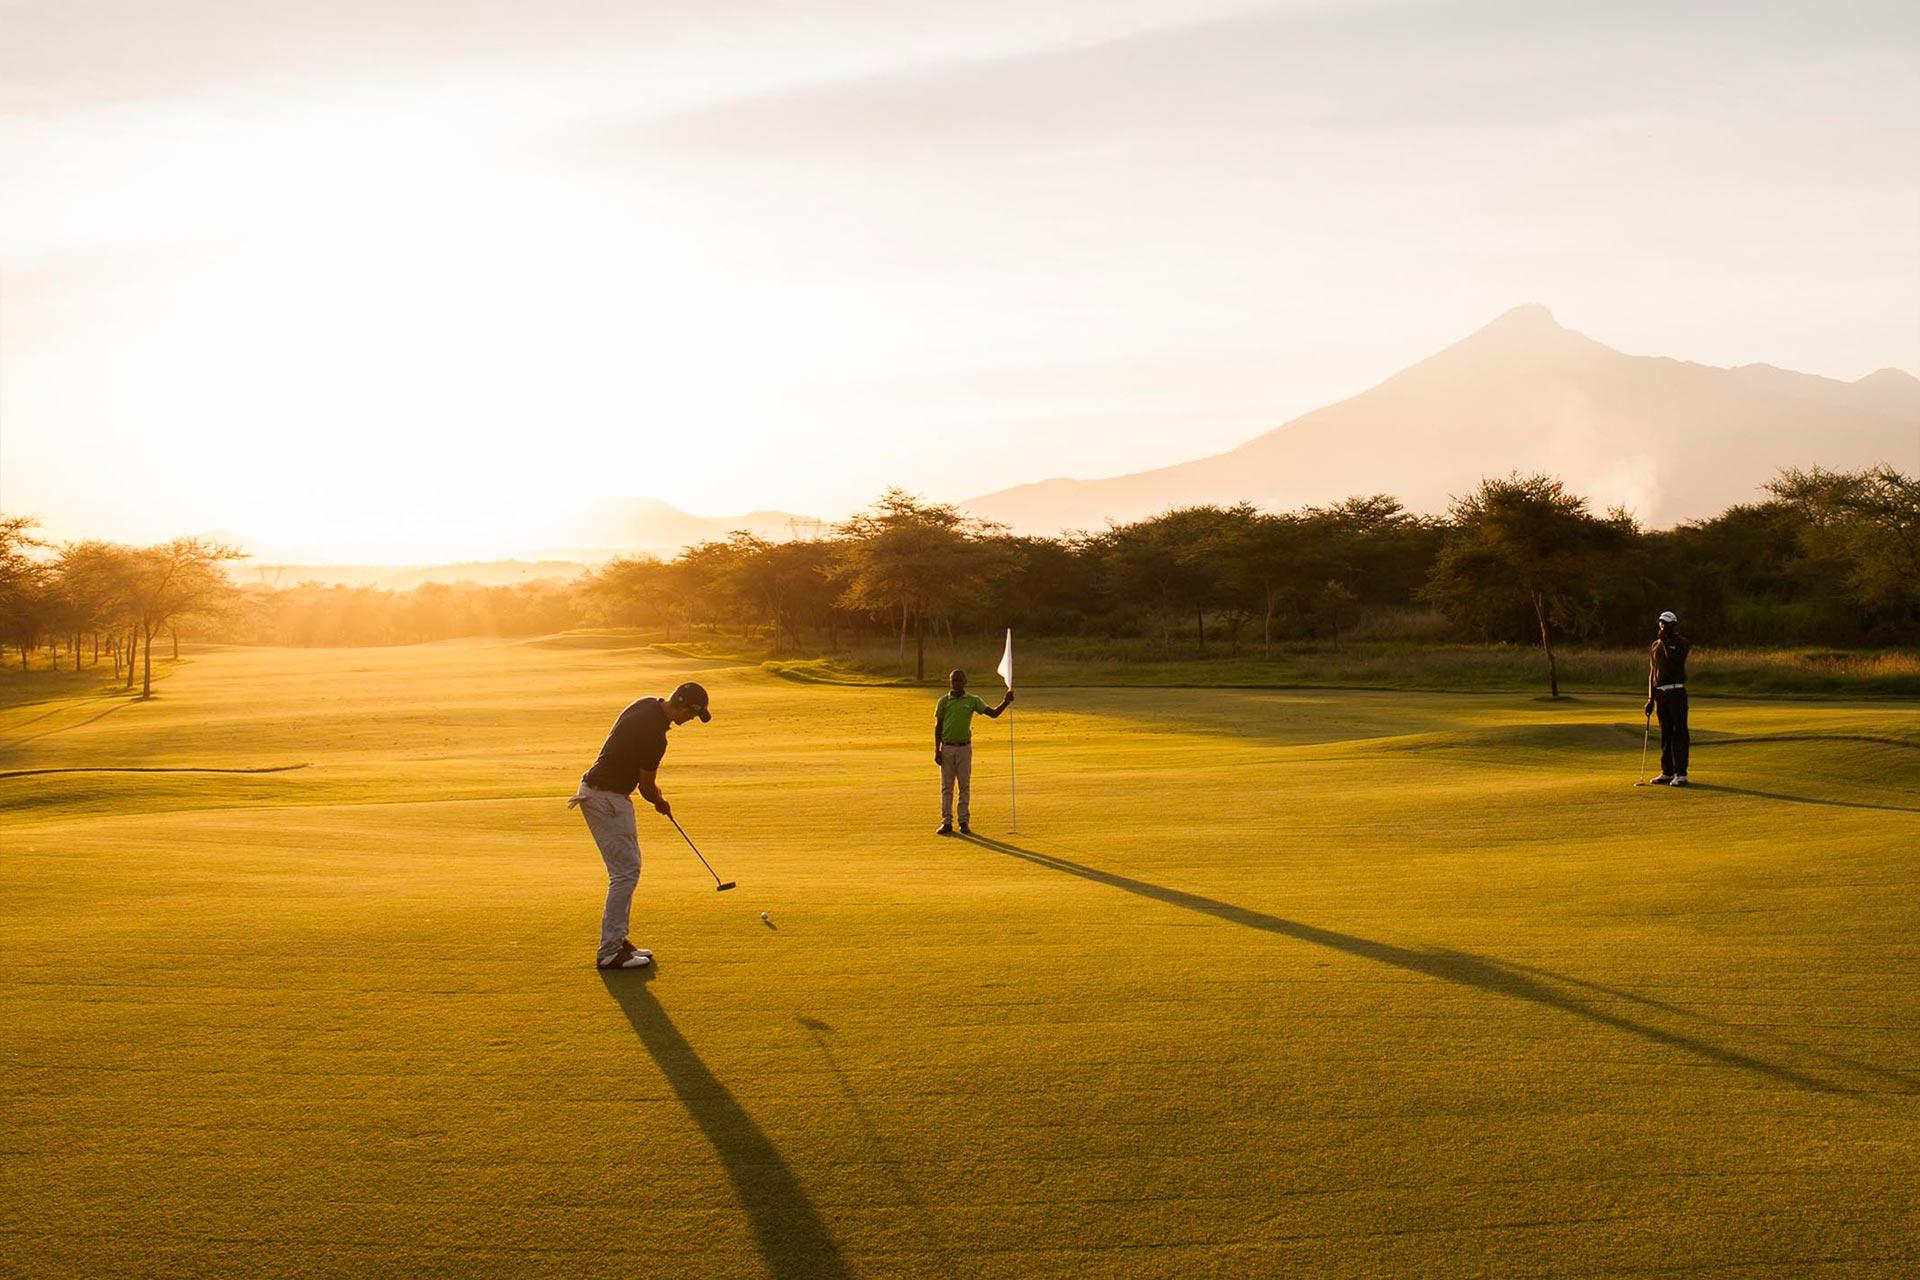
(724, 887)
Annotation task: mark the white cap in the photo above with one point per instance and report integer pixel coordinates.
(1668, 617)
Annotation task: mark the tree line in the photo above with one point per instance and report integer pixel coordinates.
(1826, 557)
(113, 598)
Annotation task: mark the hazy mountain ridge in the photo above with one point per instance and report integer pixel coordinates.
(648, 526)
(559, 552)
(480, 573)
(1669, 439)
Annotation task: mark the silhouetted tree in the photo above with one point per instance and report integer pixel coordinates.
(24, 580)
(173, 580)
(1162, 563)
(911, 556)
(1867, 521)
(634, 591)
(94, 578)
(1336, 608)
(1527, 540)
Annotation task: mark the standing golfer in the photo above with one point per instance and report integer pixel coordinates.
(1667, 694)
(629, 760)
(953, 747)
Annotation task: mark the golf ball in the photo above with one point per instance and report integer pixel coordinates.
(766, 915)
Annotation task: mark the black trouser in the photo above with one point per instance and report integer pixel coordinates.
(1671, 706)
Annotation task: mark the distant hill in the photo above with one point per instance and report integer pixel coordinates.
(563, 551)
(484, 573)
(628, 526)
(1670, 440)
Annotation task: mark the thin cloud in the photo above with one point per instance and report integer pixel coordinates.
(1405, 67)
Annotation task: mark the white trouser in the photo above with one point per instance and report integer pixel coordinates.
(956, 765)
(609, 817)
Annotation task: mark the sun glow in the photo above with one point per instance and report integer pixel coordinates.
(429, 298)
(433, 347)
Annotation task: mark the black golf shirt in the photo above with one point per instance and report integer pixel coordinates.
(1669, 661)
(638, 740)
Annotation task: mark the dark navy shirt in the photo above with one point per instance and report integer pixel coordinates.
(638, 740)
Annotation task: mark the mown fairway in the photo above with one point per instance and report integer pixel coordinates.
(1327, 984)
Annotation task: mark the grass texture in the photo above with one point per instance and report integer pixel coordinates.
(1318, 983)
(1059, 662)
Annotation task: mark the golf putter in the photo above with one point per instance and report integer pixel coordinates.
(718, 886)
(1644, 735)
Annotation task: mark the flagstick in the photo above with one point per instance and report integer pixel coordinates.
(1005, 672)
(1014, 828)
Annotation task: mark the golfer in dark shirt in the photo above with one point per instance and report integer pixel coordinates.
(629, 761)
(1667, 694)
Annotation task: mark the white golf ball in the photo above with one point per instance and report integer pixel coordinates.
(766, 915)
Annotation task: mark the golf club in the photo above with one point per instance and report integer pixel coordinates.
(1644, 735)
(718, 886)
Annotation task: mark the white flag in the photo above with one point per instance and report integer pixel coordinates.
(1006, 662)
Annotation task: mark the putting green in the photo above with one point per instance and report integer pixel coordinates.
(1328, 984)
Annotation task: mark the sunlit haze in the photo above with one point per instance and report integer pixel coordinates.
(414, 281)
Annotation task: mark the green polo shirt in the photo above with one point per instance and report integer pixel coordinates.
(955, 718)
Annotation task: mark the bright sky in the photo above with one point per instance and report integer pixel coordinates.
(404, 281)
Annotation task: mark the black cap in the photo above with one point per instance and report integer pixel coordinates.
(693, 698)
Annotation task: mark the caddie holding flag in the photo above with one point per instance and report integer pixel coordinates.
(953, 746)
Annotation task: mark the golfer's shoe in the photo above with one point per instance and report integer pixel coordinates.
(1664, 780)
(965, 830)
(628, 957)
(946, 829)
(1679, 780)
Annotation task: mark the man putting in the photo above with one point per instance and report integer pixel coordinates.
(953, 747)
(630, 759)
(1667, 694)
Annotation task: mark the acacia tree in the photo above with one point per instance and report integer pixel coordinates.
(633, 591)
(1372, 545)
(94, 577)
(1868, 521)
(755, 579)
(916, 557)
(171, 581)
(23, 583)
(1336, 608)
(803, 576)
(1043, 583)
(1270, 560)
(1168, 564)
(1527, 541)
(1212, 541)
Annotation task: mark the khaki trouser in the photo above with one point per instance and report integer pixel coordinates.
(609, 817)
(956, 765)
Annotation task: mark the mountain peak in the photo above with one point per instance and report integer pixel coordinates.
(1526, 332)
(1669, 439)
(1529, 312)
(1529, 317)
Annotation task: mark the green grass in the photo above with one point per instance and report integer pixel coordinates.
(1060, 662)
(1271, 982)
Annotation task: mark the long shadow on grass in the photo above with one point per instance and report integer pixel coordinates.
(1909, 1083)
(64, 728)
(821, 1033)
(1456, 967)
(1790, 799)
(792, 1237)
